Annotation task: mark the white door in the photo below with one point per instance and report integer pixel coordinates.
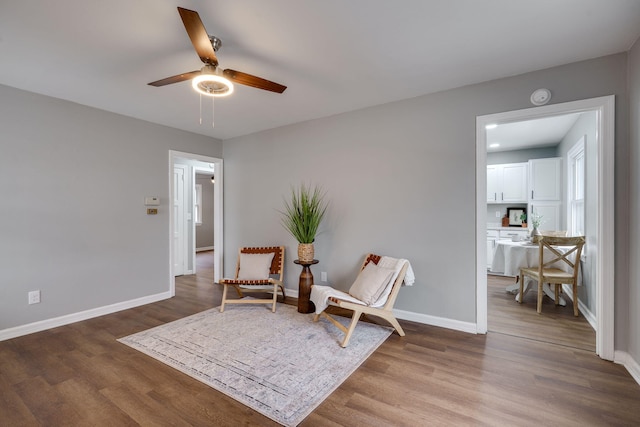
(179, 241)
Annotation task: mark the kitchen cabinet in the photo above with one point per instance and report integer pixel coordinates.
(545, 179)
(550, 212)
(492, 236)
(545, 191)
(518, 233)
(507, 183)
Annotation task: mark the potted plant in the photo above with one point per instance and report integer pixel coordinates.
(523, 219)
(302, 217)
(536, 221)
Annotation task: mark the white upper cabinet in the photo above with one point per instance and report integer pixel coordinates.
(507, 183)
(545, 179)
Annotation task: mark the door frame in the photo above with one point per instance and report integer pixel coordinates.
(218, 209)
(605, 129)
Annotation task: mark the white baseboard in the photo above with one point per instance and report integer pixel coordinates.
(625, 359)
(420, 318)
(591, 318)
(204, 248)
(441, 322)
(42, 325)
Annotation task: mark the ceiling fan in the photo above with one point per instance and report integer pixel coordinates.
(210, 80)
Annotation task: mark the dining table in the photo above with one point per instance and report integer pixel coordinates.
(509, 257)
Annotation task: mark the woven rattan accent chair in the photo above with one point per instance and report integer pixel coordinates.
(258, 269)
(545, 272)
(381, 307)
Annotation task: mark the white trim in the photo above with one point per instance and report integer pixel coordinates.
(591, 318)
(605, 274)
(42, 325)
(623, 358)
(578, 148)
(440, 322)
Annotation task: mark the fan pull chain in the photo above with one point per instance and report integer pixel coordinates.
(213, 124)
(200, 108)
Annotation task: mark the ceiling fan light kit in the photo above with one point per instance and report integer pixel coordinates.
(211, 83)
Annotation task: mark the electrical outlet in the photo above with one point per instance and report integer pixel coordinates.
(323, 276)
(497, 214)
(34, 297)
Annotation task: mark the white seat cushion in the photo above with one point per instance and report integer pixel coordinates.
(255, 266)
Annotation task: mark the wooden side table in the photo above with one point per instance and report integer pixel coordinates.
(304, 286)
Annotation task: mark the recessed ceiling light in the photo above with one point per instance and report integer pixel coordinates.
(494, 145)
(491, 126)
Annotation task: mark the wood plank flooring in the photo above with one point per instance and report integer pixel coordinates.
(79, 375)
(556, 324)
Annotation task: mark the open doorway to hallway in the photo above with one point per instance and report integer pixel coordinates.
(185, 213)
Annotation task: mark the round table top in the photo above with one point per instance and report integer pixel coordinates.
(297, 261)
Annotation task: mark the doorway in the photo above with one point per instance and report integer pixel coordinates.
(602, 196)
(192, 161)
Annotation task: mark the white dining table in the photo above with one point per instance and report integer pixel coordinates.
(509, 257)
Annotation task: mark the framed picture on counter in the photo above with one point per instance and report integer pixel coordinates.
(515, 216)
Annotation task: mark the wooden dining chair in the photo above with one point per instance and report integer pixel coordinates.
(563, 250)
(554, 233)
(258, 269)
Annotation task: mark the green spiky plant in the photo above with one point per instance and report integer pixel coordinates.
(303, 214)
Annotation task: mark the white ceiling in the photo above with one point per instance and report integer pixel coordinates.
(333, 55)
(545, 132)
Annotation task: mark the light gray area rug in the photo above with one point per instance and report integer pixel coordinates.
(281, 364)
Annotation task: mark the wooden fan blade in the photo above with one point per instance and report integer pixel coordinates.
(253, 81)
(198, 35)
(175, 79)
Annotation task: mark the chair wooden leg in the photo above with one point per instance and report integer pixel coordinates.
(238, 291)
(352, 326)
(224, 297)
(557, 292)
(316, 317)
(540, 295)
(395, 324)
(275, 298)
(521, 288)
(575, 299)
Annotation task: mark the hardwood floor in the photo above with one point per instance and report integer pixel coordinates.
(556, 324)
(79, 375)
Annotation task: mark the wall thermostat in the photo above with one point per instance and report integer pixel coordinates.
(151, 201)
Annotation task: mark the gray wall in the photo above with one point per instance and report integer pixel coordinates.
(631, 311)
(585, 126)
(74, 225)
(401, 180)
(204, 232)
(519, 156)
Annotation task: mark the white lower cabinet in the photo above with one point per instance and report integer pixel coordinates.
(550, 212)
(492, 237)
(518, 233)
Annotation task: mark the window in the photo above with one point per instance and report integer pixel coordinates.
(197, 205)
(575, 191)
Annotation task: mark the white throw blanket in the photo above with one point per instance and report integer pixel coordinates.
(320, 294)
